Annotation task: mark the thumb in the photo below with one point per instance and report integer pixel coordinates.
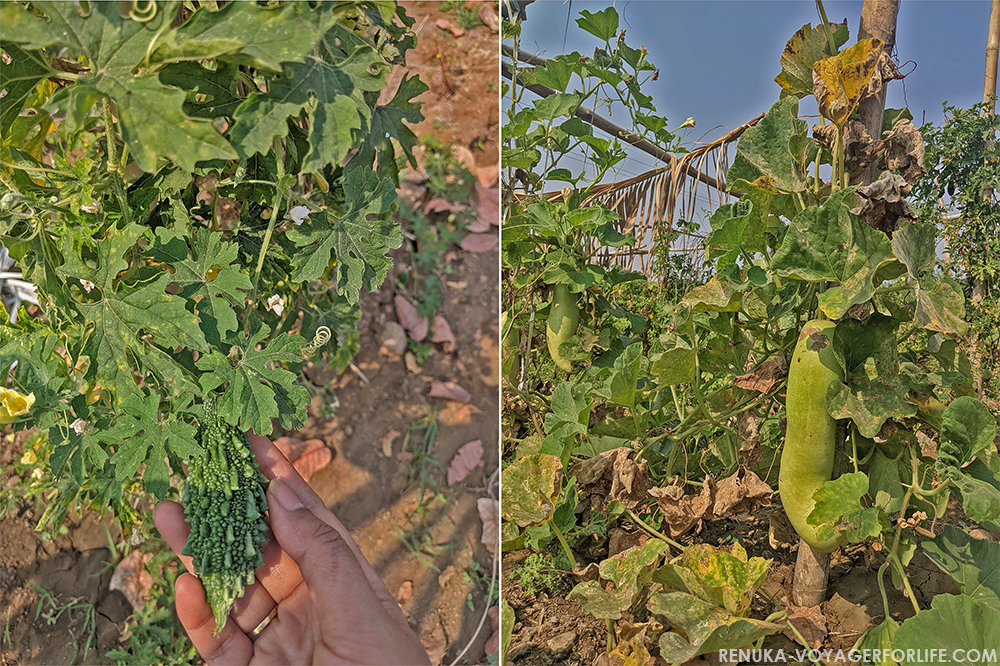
(323, 556)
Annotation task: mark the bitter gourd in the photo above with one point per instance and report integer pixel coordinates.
(224, 503)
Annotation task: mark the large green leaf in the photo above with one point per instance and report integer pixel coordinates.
(974, 564)
(968, 428)
(839, 509)
(621, 386)
(143, 435)
(211, 93)
(245, 33)
(20, 78)
(257, 388)
(388, 122)
(952, 623)
(764, 153)
(829, 242)
(359, 245)
(940, 303)
(632, 569)
(706, 627)
(529, 489)
(331, 92)
(121, 316)
(721, 578)
(151, 116)
(807, 46)
(211, 278)
(599, 602)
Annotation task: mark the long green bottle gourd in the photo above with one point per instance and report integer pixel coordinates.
(810, 432)
(564, 317)
(224, 503)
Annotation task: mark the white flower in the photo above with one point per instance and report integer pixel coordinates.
(276, 304)
(87, 284)
(298, 214)
(38, 473)
(79, 426)
(93, 208)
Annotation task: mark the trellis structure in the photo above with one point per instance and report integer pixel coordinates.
(648, 204)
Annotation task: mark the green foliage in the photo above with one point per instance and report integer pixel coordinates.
(224, 503)
(198, 222)
(531, 576)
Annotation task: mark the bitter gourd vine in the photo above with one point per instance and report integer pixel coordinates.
(224, 503)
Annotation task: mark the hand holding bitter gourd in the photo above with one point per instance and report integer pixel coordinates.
(224, 503)
(810, 432)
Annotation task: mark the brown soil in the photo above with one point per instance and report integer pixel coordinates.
(375, 496)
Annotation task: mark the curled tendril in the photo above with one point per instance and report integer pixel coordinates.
(322, 337)
(143, 12)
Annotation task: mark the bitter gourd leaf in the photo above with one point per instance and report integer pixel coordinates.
(224, 503)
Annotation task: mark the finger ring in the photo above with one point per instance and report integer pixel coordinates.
(263, 624)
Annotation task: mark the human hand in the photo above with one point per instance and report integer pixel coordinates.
(328, 605)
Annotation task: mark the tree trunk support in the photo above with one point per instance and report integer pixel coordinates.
(812, 571)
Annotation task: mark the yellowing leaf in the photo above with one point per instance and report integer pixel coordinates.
(840, 82)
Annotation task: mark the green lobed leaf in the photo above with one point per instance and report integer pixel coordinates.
(602, 24)
(878, 638)
(257, 388)
(632, 569)
(952, 623)
(764, 153)
(807, 46)
(599, 602)
(143, 436)
(329, 91)
(359, 245)
(721, 578)
(839, 509)
(216, 87)
(212, 279)
(620, 387)
(974, 564)
(121, 316)
(151, 116)
(940, 303)
(829, 242)
(388, 122)
(529, 489)
(870, 402)
(968, 428)
(245, 33)
(20, 78)
(706, 627)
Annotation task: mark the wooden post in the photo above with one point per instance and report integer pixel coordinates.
(878, 20)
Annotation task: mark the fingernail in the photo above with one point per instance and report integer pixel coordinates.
(288, 500)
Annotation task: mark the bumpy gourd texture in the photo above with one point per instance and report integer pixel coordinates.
(810, 433)
(224, 503)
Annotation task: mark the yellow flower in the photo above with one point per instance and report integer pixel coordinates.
(13, 404)
(29, 458)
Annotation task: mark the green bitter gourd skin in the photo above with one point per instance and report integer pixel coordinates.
(224, 503)
(564, 317)
(810, 432)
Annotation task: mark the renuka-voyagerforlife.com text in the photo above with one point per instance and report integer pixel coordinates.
(908, 656)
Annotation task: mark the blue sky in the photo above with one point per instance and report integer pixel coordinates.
(718, 59)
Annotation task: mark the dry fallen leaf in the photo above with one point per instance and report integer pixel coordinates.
(765, 376)
(294, 448)
(387, 440)
(450, 27)
(467, 458)
(478, 243)
(488, 207)
(441, 205)
(488, 175)
(415, 325)
(405, 592)
(411, 363)
(489, 513)
(132, 579)
(441, 333)
(493, 642)
(457, 413)
(478, 226)
(449, 390)
(810, 622)
(312, 461)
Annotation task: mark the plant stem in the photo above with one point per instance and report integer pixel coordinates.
(562, 542)
(109, 136)
(662, 537)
